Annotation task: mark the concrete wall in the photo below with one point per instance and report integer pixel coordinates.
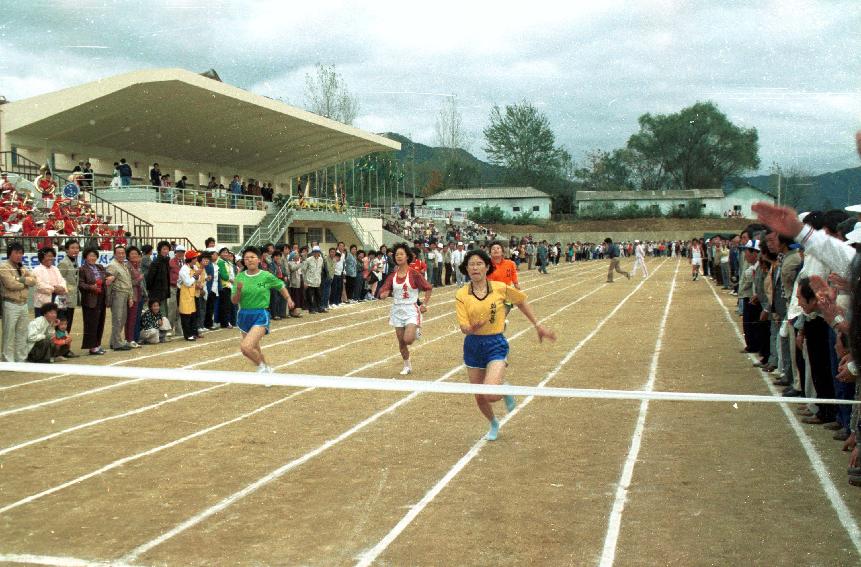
(712, 206)
(195, 223)
(507, 205)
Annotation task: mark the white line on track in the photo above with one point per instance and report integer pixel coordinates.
(208, 361)
(56, 560)
(125, 460)
(847, 520)
(614, 525)
(279, 472)
(350, 307)
(11, 448)
(368, 557)
(72, 429)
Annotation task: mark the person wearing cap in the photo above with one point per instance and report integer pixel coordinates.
(639, 259)
(750, 309)
(251, 294)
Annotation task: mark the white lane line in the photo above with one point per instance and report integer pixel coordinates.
(174, 443)
(614, 525)
(190, 366)
(11, 448)
(69, 397)
(348, 306)
(279, 472)
(30, 559)
(152, 451)
(368, 557)
(847, 520)
(197, 392)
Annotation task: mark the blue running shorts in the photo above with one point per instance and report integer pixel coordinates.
(248, 318)
(481, 350)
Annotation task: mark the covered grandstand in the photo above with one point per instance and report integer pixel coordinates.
(201, 128)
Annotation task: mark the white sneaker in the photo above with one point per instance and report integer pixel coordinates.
(418, 333)
(134, 344)
(406, 370)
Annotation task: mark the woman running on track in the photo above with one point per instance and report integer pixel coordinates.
(480, 313)
(696, 258)
(404, 285)
(252, 295)
(504, 271)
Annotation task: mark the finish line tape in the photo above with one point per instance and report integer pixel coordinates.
(392, 385)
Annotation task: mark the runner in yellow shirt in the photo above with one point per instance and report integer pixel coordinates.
(480, 309)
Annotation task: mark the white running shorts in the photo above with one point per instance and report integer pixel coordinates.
(403, 315)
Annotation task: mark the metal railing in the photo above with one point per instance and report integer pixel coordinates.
(365, 236)
(13, 162)
(274, 229)
(221, 199)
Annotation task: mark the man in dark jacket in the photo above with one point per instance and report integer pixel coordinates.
(155, 176)
(158, 275)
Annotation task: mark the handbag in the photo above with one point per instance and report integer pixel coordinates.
(164, 324)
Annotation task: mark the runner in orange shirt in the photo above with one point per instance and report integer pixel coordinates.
(504, 271)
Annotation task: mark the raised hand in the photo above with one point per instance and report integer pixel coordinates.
(784, 220)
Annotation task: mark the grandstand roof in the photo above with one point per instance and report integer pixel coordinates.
(649, 195)
(488, 193)
(190, 117)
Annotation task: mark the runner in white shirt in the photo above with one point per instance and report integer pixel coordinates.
(640, 259)
(696, 258)
(404, 285)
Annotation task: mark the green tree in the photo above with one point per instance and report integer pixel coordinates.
(605, 171)
(697, 147)
(459, 174)
(520, 139)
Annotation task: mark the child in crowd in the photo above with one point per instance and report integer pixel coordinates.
(62, 339)
(151, 323)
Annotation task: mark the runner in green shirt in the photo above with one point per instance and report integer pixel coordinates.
(251, 293)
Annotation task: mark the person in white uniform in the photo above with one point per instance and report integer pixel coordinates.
(640, 259)
(404, 285)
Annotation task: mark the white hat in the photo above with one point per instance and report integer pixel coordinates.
(636, 242)
(854, 208)
(315, 249)
(460, 243)
(854, 236)
(179, 248)
(752, 245)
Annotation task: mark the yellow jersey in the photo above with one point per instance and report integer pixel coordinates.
(491, 309)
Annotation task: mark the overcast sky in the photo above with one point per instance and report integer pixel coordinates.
(790, 68)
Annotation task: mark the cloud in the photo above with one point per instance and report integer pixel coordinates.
(786, 67)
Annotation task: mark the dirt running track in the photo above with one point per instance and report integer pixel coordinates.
(98, 470)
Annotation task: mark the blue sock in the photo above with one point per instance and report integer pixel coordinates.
(509, 403)
(494, 430)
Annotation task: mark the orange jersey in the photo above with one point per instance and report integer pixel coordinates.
(505, 272)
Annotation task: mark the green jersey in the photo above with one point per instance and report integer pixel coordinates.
(255, 289)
